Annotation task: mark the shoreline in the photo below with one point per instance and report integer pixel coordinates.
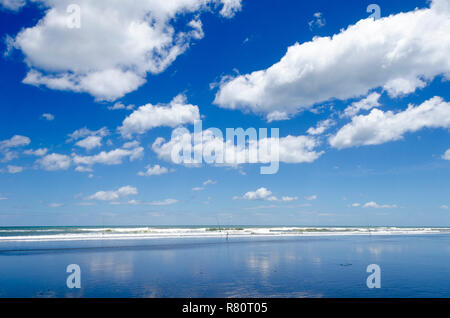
(152, 233)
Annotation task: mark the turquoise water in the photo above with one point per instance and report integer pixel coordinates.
(411, 266)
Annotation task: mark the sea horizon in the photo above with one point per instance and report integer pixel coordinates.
(83, 233)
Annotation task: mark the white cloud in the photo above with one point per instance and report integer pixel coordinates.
(117, 45)
(14, 169)
(153, 171)
(113, 157)
(105, 85)
(164, 202)
(446, 155)
(90, 139)
(318, 21)
(2, 198)
(83, 169)
(311, 197)
(85, 132)
(230, 8)
(321, 127)
(38, 152)
(277, 116)
(176, 113)
(379, 127)
(13, 5)
(131, 144)
(197, 26)
(155, 203)
(9, 155)
(54, 161)
(205, 183)
(283, 199)
(399, 53)
(367, 103)
(291, 149)
(356, 205)
(120, 105)
(445, 207)
(9, 43)
(260, 194)
(375, 205)
(264, 194)
(114, 195)
(48, 117)
(90, 142)
(15, 141)
(55, 205)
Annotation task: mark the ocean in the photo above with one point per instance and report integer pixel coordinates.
(235, 261)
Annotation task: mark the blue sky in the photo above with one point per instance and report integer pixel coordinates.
(375, 162)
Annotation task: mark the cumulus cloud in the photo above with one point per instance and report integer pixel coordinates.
(114, 194)
(117, 44)
(379, 127)
(311, 197)
(8, 144)
(83, 169)
(164, 202)
(264, 194)
(14, 5)
(230, 8)
(399, 53)
(90, 139)
(120, 105)
(38, 152)
(318, 21)
(113, 157)
(14, 169)
(291, 149)
(446, 155)
(9, 155)
(15, 141)
(260, 194)
(321, 127)
(85, 132)
(277, 116)
(55, 205)
(367, 103)
(154, 203)
(205, 183)
(147, 117)
(54, 162)
(156, 170)
(48, 116)
(131, 144)
(375, 205)
(90, 142)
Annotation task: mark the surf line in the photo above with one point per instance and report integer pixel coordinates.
(190, 308)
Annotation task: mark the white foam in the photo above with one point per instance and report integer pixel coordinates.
(125, 233)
